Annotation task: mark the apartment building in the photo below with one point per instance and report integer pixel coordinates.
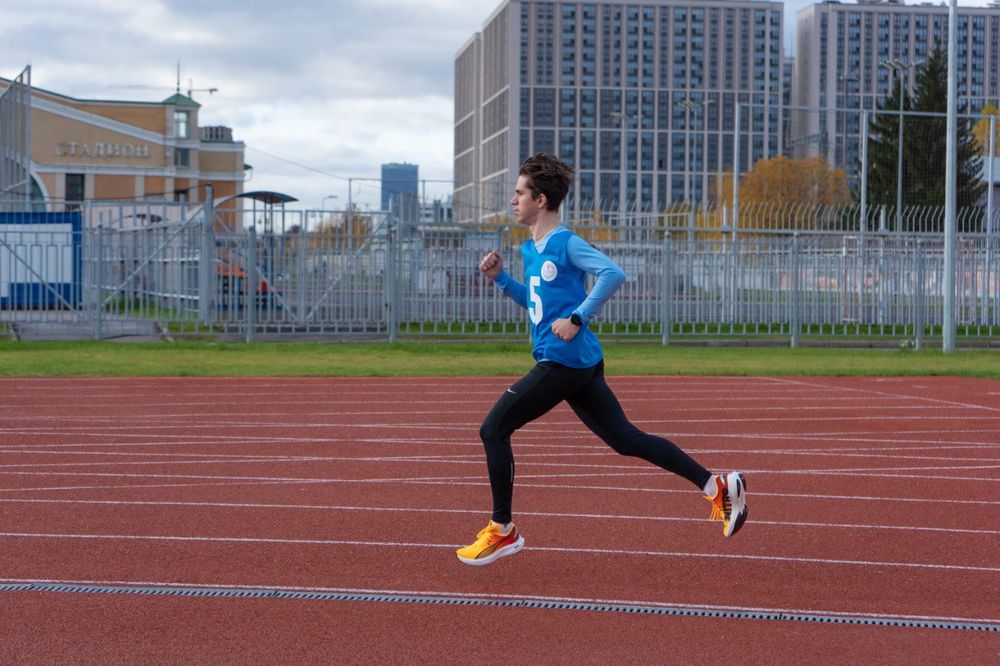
(640, 97)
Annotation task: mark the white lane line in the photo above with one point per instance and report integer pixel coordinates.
(477, 461)
(569, 449)
(284, 442)
(631, 469)
(392, 408)
(880, 470)
(545, 549)
(477, 481)
(479, 512)
(196, 399)
(474, 426)
(919, 477)
(794, 405)
(886, 394)
(497, 596)
(572, 452)
(528, 436)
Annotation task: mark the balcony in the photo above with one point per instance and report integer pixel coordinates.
(216, 134)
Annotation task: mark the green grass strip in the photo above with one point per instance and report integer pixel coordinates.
(429, 358)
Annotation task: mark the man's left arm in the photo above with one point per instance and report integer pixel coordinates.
(609, 276)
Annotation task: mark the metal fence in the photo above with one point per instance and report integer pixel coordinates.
(850, 166)
(15, 142)
(169, 270)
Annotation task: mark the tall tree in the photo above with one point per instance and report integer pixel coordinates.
(927, 157)
(883, 149)
(924, 149)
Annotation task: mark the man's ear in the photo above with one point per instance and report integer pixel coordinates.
(542, 200)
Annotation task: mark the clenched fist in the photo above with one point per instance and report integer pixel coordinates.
(491, 265)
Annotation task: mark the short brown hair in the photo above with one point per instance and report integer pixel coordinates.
(548, 175)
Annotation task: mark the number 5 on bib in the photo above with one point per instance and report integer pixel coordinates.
(534, 300)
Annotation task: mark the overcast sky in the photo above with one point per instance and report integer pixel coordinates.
(337, 87)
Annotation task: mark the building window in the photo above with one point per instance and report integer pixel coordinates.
(545, 141)
(74, 186)
(545, 107)
(182, 157)
(182, 124)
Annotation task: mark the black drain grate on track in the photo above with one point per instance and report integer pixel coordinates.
(640, 609)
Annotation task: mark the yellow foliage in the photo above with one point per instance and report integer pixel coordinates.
(981, 131)
(596, 229)
(356, 226)
(781, 180)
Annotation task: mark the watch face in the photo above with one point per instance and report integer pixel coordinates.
(575, 319)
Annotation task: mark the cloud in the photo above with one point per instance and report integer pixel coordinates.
(335, 85)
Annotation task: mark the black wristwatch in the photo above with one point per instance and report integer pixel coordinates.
(575, 319)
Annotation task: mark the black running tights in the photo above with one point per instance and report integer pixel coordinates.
(591, 398)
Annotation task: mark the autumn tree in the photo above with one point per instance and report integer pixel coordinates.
(981, 131)
(340, 229)
(785, 193)
(594, 228)
(789, 181)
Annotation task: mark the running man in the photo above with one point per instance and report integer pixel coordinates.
(570, 362)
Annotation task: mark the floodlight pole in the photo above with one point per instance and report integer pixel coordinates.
(948, 316)
(736, 169)
(898, 66)
(899, 160)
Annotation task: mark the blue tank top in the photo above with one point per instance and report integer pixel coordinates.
(555, 288)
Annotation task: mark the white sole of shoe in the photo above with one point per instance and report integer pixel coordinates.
(495, 555)
(738, 502)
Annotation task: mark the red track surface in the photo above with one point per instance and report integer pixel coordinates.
(869, 498)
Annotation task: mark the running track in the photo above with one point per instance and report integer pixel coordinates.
(314, 520)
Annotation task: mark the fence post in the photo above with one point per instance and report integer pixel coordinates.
(734, 279)
(736, 166)
(988, 267)
(667, 299)
(390, 279)
(98, 282)
(918, 324)
(206, 266)
(989, 178)
(794, 299)
(303, 247)
(250, 284)
(864, 172)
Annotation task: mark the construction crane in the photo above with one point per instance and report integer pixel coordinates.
(190, 87)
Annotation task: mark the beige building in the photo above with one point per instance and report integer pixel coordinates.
(96, 150)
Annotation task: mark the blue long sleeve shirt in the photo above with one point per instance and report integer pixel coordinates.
(555, 269)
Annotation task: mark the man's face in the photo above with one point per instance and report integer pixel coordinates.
(526, 209)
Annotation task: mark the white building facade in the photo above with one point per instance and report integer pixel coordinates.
(847, 58)
(639, 97)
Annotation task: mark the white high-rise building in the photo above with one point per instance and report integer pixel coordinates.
(640, 97)
(848, 56)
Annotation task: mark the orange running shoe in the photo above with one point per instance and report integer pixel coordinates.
(490, 545)
(730, 502)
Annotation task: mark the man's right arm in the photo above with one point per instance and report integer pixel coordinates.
(512, 289)
(492, 267)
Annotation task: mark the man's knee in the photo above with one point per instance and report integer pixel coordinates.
(487, 432)
(622, 441)
(492, 433)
